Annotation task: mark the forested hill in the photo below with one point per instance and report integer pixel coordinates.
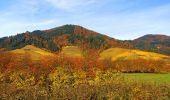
(74, 35)
(54, 39)
(153, 43)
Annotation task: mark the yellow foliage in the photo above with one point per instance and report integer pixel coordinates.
(21, 80)
(80, 77)
(1, 75)
(61, 76)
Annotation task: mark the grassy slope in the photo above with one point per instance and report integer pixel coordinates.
(71, 51)
(34, 52)
(127, 54)
(148, 77)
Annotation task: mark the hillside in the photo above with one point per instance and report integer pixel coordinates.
(127, 54)
(56, 38)
(32, 51)
(71, 51)
(153, 43)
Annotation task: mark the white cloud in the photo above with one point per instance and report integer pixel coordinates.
(130, 25)
(70, 4)
(23, 26)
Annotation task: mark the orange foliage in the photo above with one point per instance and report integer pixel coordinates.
(61, 40)
(83, 31)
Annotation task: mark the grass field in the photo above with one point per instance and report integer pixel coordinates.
(160, 78)
(34, 52)
(71, 51)
(128, 54)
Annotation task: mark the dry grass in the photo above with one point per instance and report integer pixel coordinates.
(34, 52)
(72, 51)
(127, 54)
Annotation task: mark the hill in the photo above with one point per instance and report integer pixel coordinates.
(153, 43)
(73, 35)
(127, 54)
(56, 38)
(32, 51)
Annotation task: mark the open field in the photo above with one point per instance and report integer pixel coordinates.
(71, 51)
(34, 52)
(128, 54)
(148, 77)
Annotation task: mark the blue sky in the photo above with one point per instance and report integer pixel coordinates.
(121, 19)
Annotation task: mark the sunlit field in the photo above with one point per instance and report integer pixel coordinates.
(160, 78)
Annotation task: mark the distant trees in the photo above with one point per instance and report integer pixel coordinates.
(153, 43)
(96, 42)
(91, 41)
(139, 66)
(52, 46)
(76, 39)
(56, 38)
(36, 38)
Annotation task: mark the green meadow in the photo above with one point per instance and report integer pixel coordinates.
(160, 78)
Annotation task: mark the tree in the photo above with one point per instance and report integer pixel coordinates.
(5, 60)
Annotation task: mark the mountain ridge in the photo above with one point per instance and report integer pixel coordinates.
(54, 39)
(74, 35)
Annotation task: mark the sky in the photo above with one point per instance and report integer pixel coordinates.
(120, 19)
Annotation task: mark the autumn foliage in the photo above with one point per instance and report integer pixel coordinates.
(65, 77)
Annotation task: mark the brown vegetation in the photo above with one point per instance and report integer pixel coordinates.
(78, 78)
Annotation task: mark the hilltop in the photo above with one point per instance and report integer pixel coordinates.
(56, 38)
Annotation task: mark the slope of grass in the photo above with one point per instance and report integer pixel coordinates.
(71, 51)
(34, 52)
(148, 77)
(127, 54)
